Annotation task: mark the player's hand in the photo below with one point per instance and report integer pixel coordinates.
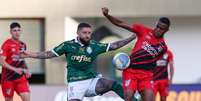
(105, 11)
(27, 73)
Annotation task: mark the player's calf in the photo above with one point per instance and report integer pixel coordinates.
(104, 85)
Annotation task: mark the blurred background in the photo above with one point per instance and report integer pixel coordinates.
(47, 23)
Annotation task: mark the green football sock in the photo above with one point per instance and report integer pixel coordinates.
(118, 89)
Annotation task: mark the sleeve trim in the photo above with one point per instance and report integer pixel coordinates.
(54, 52)
(108, 47)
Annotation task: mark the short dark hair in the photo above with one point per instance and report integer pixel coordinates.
(14, 24)
(165, 20)
(83, 24)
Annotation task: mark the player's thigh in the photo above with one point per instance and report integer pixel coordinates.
(8, 99)
(25, 96)
(128, 94)
(8, 89)
(155, 88)
(147, 95)
(146, 88)
(77, 89)
(163, 98)
(22, 86)
(103, 85)
(164, 88)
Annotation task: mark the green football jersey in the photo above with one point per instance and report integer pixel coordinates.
(80, 58)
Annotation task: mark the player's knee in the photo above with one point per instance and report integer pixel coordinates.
(9, 99)
(128, 96)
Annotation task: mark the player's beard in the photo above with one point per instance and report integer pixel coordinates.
(84, 42)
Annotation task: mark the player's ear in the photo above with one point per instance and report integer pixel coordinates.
(77, 32)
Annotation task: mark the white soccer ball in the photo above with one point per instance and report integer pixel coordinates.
(121, 61)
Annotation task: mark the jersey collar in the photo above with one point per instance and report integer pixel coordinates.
(77, 41)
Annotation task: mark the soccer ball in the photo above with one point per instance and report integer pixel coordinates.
(121, 61)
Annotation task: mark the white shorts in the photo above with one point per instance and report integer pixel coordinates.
(81, 89)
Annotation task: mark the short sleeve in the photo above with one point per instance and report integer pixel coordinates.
(102, 47)
(4, 50)
(170, 56)
(137, 29)
(60, 49)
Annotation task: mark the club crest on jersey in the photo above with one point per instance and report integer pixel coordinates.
(165, 56)
(127, 82)
(13, 49)
(8, 91)
(89, 50)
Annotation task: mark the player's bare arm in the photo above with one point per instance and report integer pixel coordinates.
(39, 55)
(171, 64)
(6, 65)
(116, 21)
(121, 43)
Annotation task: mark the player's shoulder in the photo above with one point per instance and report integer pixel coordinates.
(140, 25)
(93, 42)
(169, 52)
(69, 42)
(7, 42)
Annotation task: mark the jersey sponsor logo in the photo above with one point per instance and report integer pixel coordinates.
(146, 46)
(153, 51)
(163, 62)
(82, 58)
(89, 50)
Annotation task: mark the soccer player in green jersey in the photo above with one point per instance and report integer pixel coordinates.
(80, 53)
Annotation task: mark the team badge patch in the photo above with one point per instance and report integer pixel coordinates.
(89, 50)
(13, 49)
(8, 91)
(127, 82)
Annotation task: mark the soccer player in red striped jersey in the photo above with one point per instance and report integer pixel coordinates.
(161, 77)
(14, 71)
(150, 47)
